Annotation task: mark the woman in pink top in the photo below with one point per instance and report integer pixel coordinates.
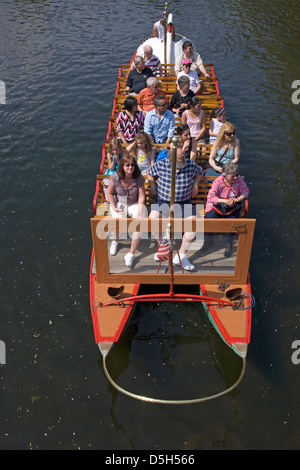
(195, 118)
(224, 200)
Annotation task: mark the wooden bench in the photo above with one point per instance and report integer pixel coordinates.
(208, 103)
(168, 79)
(101, 206)
(202, 156)
(168, 69)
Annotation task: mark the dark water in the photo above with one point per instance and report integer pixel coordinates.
(59, 64)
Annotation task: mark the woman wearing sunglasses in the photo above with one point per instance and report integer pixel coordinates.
(226, 148)
(126, 196)
(195, 82)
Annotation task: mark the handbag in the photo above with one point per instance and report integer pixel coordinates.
(221, 158)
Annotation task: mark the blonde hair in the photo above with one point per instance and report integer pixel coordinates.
(226, 127)
(148, 143)
(115, 143)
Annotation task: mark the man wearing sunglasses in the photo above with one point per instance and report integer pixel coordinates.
(160, 122)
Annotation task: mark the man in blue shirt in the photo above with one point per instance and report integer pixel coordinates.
(188, 175)
(160, 122)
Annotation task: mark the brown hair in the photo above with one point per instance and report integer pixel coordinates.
(148, 143)
(115, 143)
(128, 159)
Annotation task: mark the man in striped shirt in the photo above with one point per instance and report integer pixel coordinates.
(152, 61)
(188, 175)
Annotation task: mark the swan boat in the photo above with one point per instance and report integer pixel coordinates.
(222, 284)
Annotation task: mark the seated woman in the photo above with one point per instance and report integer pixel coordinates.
(217, 119)
(188, 145)
(142, 149)
(195, 82)
(224, 199)
(126, 196)
(195, 118)
(130, 121)
(181, 99)
(225, 149)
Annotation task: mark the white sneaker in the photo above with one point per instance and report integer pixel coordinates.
(129, 258)
(113, 248)
(186, 264)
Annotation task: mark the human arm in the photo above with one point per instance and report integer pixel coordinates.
(237, 151)
(171, 128)
(152, 157)
(129, 83)
(141, 200)
(178, 64)
(203, 71)
(193, 153)
(197, 179)
(212, 157)
(154, 31)
(151, 181)
(110, 195)
(198, 88)
(203, 126)
(147, 124)
(112, 159)
(243, 190)
(210, 129)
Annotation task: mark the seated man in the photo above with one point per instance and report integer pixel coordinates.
(138, 76)
(188, 175)
(152, 61)
(146, 96)
(188, 53)
(181, 99)
(224, 200)
(160, 122)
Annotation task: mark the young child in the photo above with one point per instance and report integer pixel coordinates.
(143, 151)
(114, 154)
(218, 117)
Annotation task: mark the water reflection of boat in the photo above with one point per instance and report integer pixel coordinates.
(224, 286)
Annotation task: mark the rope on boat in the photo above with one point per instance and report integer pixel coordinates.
(173, 402)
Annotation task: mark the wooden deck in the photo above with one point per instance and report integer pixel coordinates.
(209, 262)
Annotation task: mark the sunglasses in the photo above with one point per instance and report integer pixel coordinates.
(230, 133)
(187, 65)
(129, 164)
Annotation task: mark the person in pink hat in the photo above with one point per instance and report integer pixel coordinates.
(195, 82)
